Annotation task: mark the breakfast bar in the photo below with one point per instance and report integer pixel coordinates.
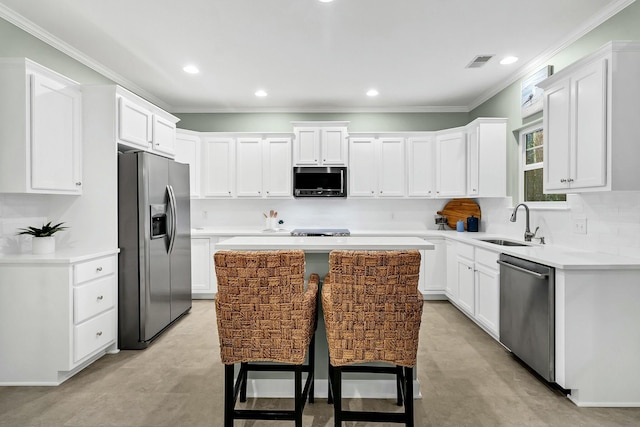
(317, 248)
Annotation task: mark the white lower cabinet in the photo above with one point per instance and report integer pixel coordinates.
(55, 318)
(204, 283)
(473, 284)
(433, 275)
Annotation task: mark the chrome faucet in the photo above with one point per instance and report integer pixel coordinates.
(527, 231)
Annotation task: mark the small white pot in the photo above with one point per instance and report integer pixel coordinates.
(43, 245)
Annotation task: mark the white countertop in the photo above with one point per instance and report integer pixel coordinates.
(552, 255)
(60, 256)
(324, 244)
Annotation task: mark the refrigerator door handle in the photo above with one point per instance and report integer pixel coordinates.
(174, 222)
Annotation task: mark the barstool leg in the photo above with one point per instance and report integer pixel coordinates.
(229, 397)
(408, 396)
(312, 368)
(299, 404)
(399, 385)
(337, 395)
(243, 381)
(329, 388)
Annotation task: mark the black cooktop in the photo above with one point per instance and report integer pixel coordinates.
(320, 232)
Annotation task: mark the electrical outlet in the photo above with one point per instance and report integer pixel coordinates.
(580, 226)
(205, 214)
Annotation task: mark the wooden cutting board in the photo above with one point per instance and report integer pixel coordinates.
(457, 209)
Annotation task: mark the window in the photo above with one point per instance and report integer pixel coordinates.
(532, 145)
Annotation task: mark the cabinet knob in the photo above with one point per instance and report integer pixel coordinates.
(99, 333)
(98, 270)
(324, 160)
(229, 192)
(372, 192)
(570, 180)
(78, 183)
(429, 192)
(100, 298)
(474, 189)
(563, 180)
(380, 191)
(267, 192)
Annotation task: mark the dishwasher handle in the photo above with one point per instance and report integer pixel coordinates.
(523, 270)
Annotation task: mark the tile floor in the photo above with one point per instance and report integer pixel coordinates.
(467, 379)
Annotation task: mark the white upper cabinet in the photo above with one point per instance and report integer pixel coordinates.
(142, 125)
(590, 119)
(187, 150)
(218, 167)
(40, 130)
(487, 158)
(277, 169)
(376, 167)
(320, 143)
(420, 166)
(450, 165)
(249, 167)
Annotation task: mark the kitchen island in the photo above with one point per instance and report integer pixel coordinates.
(270, 384)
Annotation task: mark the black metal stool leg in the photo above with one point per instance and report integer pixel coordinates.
(337, 395)
(243, 384)
(299, 404)
(229, 396)
(329, 387)
(312, 368)
(408, 396)
(399, 385)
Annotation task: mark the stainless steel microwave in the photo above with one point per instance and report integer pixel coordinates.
(319, 181)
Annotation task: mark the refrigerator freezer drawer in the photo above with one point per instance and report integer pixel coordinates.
(93, 298)
(93, 335)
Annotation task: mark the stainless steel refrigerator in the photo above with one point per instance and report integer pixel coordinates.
(154, 236)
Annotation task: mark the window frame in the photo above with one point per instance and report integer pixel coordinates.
(522, 167)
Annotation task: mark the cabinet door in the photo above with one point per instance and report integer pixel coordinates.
(201, 264)
(362, 170)
(164, 136)
(435, 266)
(278, 172)
(56, 157)
(249, 167)
(391, 168)
(306, 150)
(334, 146)
(134, 124)
(420, 171)
(473, 159)
(188, 151)
(466, 286)
(451, 167)
(587, 167)
(452, 271)
(557, 122)
(488, 298)
(218, 167)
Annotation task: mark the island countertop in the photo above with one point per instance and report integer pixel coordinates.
(324, 243)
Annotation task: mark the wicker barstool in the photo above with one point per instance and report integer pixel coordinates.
(264, 314)
(372, 312)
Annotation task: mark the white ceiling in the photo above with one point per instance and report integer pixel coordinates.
(308, 55)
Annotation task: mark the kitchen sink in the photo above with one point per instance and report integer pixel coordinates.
(503, 242)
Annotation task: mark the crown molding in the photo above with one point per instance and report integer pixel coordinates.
(53, 41)
(422, 109)
(547, 55)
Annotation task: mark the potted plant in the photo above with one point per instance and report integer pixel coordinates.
(43, 241)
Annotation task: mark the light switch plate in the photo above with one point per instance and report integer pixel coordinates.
(580, 225)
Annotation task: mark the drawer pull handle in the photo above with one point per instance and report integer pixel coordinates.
(99, 333)
(100, 297)
(99, 269)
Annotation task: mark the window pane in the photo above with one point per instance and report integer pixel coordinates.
(534, 139)
(535, 155)
(533, 188)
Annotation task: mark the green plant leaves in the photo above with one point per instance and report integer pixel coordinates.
(45, 231)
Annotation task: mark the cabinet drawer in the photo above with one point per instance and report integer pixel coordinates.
(93, 335)
(465, 250)
(93, 298)
(487, 258)
(94, 269)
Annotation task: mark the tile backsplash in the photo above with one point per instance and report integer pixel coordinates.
(612, 218)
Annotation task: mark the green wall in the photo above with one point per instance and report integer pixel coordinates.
(623, 26)
(358, 122)
(15, 42)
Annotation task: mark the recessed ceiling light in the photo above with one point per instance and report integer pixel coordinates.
(325, 1)
(261, 93)
(372, 92)
(508, 60)
(191, 69)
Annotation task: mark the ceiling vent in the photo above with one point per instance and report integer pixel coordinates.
(479, 61)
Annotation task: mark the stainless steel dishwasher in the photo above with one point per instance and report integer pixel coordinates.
(527, 313)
